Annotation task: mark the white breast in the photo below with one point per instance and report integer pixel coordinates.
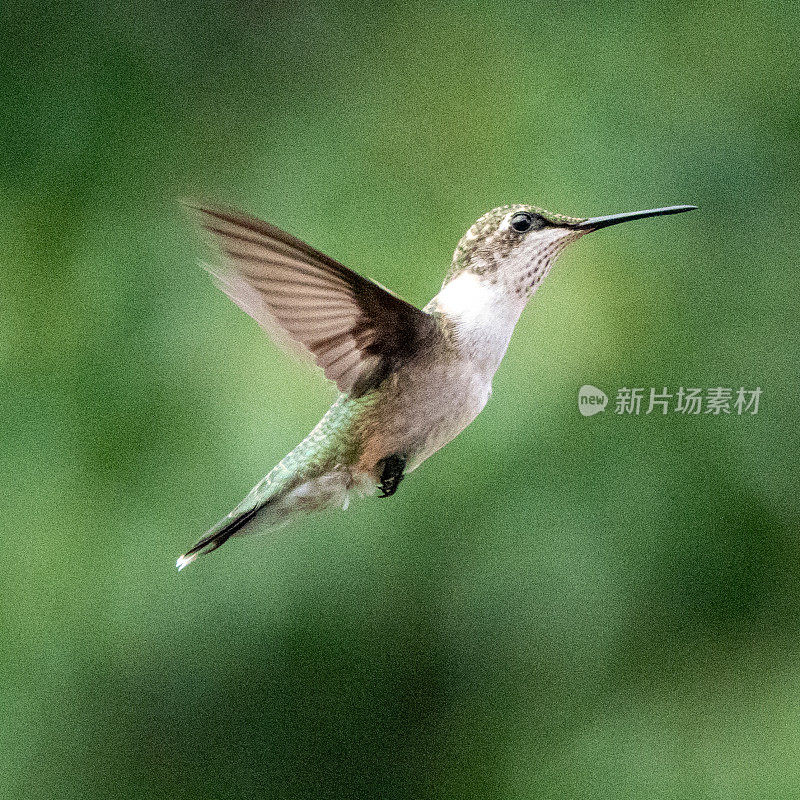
(483, 318)
(484, 315)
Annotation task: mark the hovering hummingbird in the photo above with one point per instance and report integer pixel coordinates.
(410, 380)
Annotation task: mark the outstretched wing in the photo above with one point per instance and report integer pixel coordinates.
(356, 330)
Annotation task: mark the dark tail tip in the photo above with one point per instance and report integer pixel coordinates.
(216, 537)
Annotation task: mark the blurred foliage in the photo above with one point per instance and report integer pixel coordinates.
(552, 606)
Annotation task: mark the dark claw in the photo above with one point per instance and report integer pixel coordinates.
(391, 474)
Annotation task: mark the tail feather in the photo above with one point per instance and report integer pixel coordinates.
(281, 495)
(217, 536)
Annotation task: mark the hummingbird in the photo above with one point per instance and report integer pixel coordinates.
(409, 379)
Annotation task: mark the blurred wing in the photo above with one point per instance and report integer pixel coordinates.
(356, 330)
(250, 300)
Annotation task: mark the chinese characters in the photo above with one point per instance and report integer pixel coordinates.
(717, 401)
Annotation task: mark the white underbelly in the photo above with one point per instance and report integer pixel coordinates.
(439, 416)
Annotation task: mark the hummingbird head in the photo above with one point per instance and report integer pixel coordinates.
(499, 263)
(513, 247)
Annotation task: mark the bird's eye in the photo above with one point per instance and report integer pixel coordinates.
(522, 222)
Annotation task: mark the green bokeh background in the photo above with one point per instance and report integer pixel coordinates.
(551, 607)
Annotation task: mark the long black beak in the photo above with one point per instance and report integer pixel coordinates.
(595, 223)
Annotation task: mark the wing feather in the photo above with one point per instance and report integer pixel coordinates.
(356, 330)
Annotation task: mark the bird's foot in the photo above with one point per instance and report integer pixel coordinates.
(391, 473)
